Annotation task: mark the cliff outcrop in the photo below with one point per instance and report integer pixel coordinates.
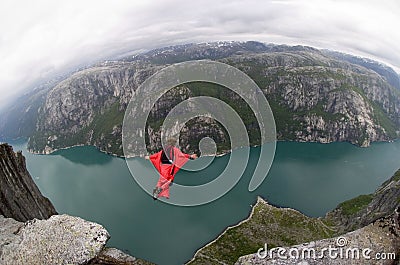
(368, 222)
(20, 198)
(31, 232)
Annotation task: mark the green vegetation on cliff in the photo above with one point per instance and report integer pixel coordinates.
(356, 204)
(286, 227)
(266, 225)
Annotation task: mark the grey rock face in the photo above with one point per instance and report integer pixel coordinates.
(113, 256)
(61, 239)
(74, 111)
(74, 102)
(20, 197)
(8, 229)
(329, 100)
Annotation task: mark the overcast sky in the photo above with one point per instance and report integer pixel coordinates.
(43, 37)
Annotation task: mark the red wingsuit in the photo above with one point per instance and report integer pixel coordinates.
(168, 171)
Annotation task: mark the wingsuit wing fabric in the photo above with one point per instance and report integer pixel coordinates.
(168, 171)
(156, 160)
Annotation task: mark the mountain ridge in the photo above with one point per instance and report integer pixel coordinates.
(314, 97)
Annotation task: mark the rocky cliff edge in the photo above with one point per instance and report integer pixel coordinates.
(31, 232)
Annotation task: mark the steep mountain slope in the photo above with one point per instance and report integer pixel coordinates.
(365, 209)
(18, 117)
(85, 108)
(314, 95)
(316, 98)
(20, 198)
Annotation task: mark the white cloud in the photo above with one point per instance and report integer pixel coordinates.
(44, 36)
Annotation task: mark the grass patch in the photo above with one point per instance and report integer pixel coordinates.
(355, 205)
(396, 176)
(105, 122)
(381, 118)
(286, 124)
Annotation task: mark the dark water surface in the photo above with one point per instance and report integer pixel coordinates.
(312, 178)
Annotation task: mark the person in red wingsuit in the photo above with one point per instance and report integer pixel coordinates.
(168, 162)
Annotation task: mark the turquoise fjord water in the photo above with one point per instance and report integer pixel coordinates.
(312, 178)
